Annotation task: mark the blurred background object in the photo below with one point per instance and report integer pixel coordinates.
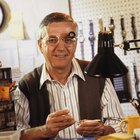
(4, 15)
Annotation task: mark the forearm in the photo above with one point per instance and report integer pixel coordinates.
(36, 133)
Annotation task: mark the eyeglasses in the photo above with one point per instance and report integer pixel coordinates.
(69, 39)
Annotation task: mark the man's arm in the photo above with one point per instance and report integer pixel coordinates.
(111, 108)
(22, 119)
(55, 122)
(21, 109)
(36, 133)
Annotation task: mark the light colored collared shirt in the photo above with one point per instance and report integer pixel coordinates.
(66, 96)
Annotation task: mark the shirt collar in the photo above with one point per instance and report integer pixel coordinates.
(76, 70)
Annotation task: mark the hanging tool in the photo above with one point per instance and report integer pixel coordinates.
(136, 102)
(134, 31)
(137, 82)
(81, 39)
(101, 26)
(112, 27)
(123, 31)
(91, 37)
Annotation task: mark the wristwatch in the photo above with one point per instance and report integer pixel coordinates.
(81, 39)
(91, 37)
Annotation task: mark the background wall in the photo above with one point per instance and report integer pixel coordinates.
(32, 12)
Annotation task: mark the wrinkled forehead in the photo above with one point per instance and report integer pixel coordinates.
(61, 28)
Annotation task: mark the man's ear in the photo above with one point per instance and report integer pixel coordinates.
(40, 45)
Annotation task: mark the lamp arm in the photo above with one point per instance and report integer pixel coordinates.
(126, 45)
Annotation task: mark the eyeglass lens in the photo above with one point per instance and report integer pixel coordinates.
(68, 39)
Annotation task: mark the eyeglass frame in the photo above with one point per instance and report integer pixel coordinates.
(73, 40)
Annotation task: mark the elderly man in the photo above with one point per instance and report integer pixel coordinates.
(57, 99)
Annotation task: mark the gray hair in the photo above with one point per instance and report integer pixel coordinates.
(53, 17)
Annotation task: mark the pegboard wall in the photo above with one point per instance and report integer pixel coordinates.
(85, 10)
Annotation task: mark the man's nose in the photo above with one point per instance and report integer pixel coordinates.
(61, 43)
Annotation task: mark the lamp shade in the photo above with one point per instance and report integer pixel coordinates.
(106, 63)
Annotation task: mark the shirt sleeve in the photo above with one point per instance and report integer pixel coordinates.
(21, 110)
(111, 108)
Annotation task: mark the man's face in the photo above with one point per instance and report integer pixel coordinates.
(58, 49)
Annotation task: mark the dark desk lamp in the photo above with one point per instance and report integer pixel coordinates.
(106, 63)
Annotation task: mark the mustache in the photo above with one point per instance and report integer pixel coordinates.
(61, 54)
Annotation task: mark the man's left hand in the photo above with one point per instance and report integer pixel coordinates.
(94, 128)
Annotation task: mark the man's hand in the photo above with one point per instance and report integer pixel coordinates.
(54, 123)
(58, 121)
(93, 128)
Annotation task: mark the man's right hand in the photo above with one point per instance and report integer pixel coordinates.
(57, 121)
(54, 123)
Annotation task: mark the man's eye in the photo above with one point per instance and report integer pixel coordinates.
(69, 40)
(52, 40)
